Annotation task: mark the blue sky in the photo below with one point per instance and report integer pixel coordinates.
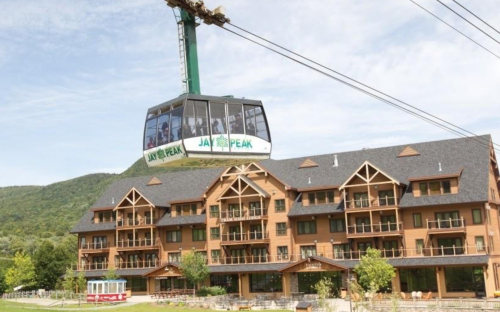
(76, 77)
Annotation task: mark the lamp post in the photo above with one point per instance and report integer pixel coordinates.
(350, 279)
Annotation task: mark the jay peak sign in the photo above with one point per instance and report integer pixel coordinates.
(313, 265)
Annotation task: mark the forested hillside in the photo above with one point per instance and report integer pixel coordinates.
(34, 213)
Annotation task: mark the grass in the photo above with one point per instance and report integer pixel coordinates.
(8, 306)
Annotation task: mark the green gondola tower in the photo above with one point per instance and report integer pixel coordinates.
(190, 58)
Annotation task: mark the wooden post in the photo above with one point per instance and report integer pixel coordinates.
(239, 285)
(371, 217)
(397, 219)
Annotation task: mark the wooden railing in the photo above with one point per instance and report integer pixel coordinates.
(96, 246)
(375, 228)
(247, 214)
(446, 224)
(138, 221)
(249, 236)
(139, 242)
(386, 201)
(141, 264)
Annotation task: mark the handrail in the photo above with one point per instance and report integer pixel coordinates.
(446, 223)
(138, 242)
(386, 201)
(244, 213)
(375, 228)
(98, 245)
(256, 235)
(138, 221)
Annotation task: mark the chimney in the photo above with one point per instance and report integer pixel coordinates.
(440, 169)
(113, 200)
(335, 161)
(309, 181)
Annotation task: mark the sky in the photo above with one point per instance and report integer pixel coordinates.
(76, 77)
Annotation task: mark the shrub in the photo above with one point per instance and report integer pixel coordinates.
(211, 291)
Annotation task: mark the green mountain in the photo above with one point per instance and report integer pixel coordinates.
(51, 211)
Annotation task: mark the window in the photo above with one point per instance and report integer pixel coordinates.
(423, 189)
(312, 198)
(238, 256)
(214, 233)
(435, 188)
(418, 280)
(330, 196)
(341, 251)
(386, 198)
(477, 218)
(363, 225)
(136, 283)
(174, 236)
(164, 129)
(282, 252)
(174, 257)
(193, 209)
(450, 246)
(363, 246)
(235, 118)
(448, 219)
(259, 255)
(230, 282)
(255, 209)
(83, 242)
(256, 231)
(175, 125)
(419, 243)
(480, 243)
(337, 225)
(100, 242)
(266, 282)
(417, 220)
(321, 198)
(279, 205)
(306, 227)
(199, 235)
(178, 210)
(105, 216)
(150, 134)
(388, 223)
(281, 229)
(361, 200)
(218, 118)
(214, 211)
(307, 251)
(446, 187)
(195, 123)
(215, 256)
(469, 279)
(255, 122)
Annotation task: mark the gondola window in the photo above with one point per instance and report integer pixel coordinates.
(164, 135)
(235, 119)
(218, 118)
(150, 137)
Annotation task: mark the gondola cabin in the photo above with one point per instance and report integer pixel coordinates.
(206, 131)
(106, 291)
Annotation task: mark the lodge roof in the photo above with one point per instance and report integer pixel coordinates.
(462, 156)
(167, 220)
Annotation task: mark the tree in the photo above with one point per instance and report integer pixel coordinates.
(111, 275)
(194, 268)
(3, 284)
(81, 282)
(374, 271)
(46, 267)
(22, 273)
(69, 280)
(324, 290)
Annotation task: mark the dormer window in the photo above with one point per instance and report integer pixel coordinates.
(323, 197)
(435, 188)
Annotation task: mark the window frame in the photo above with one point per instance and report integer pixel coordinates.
(169, 240)
(279, 231)
(299, 223)
(335, 229)
(212, 211)
(474, 217)
(194, 237)
(279, 208)
(215, 236)
(414, 220)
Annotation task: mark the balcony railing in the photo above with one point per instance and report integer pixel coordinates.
(137, 264)
(446, 224)
(104, 220)
(386, 201)
(94, 266)
(96, 246)
(138, 221)
(247, 214)
(389, 227)
(244, 237)
(140, 242)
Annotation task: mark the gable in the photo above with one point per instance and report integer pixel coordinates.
(308, 163)
(154, 181)
(408, 152)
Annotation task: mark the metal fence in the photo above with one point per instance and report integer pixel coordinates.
(440, 304)
(50, 294)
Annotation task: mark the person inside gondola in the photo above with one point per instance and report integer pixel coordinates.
(215, 127)
(151, 142)
(164, 133)
(238, 125)
(187, 132)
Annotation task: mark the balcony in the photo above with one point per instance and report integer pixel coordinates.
(144, 264)
(372, 230)
(140, 243)
(128, 223)
(98, 247)
(94, 266)
(243, 215)
(446, 226)
(245, 238)
(377, 203)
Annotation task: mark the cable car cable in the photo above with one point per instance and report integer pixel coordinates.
(477, 16)
(454, 28)
(366, 92)
(468, 21)
(357, 81)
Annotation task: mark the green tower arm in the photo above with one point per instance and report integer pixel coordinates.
(192, 69)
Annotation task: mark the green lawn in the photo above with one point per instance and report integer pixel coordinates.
(7, 306)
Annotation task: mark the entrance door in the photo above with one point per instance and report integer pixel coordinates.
(388, 223)
(363, 225)
(361, 200)
(256, 231)
(234, 233)
(307, 280)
